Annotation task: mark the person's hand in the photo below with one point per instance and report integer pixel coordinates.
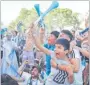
(33, 29)
(42, 31)
(76, 47)
(30, 28)
(25, 62)
(79, 37)
(22, 79)
(85, 42)
(72, 44)
(70, 79)
(70, 74)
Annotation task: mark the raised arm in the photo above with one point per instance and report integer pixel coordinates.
(20, 71)
(42, 35)
(37, 41)
(21, 68)
(84, 51)
(29, 40)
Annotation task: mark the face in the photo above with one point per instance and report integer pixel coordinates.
(51, 39)
(63, 35)
(59, 51)
(34, 73)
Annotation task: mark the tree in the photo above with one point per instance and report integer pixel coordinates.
(12, 25)
(64, 17)
(25, 16)
(59, 17)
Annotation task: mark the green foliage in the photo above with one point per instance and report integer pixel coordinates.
(63, 17)
(12, 25)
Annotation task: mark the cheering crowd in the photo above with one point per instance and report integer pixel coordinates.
(34, 58)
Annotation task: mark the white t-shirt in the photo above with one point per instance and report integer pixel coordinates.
(26, 76)
(78, 75)
(57, 77)
(35, 82)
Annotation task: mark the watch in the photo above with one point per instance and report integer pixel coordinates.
(57, 66)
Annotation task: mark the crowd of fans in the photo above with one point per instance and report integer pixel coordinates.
(32, 58)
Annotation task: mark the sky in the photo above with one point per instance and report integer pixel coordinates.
(10, 9)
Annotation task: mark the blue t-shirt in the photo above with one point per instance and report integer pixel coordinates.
(48, 58)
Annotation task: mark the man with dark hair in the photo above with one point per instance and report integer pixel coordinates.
(35, 78)
(55, 33)
(66, 34)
